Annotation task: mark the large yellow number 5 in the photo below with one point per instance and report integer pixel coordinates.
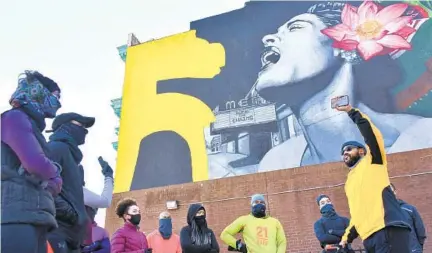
(144, 112)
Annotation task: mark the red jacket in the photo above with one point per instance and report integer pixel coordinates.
(128, 239)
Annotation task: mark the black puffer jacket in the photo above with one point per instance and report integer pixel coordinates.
(70, 210)
(23, 200)
(187, 244)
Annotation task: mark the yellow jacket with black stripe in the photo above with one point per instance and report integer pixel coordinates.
(373, 206)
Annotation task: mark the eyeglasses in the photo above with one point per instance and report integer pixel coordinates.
(348, 149)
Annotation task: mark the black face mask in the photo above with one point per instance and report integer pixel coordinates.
(77, 133)
(200, 220)
(259, 210)
(135, 219)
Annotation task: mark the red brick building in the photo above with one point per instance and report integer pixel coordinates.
(291, 197)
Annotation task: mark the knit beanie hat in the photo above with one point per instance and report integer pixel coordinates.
(257, 197)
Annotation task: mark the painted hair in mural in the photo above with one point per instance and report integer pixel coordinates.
(267, 105)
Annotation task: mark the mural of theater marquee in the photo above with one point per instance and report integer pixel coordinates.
(249, 91)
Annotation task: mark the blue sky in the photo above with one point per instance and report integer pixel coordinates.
(74, 43)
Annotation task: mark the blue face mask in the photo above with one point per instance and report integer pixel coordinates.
(328, 210)
(165, 228)
(259, 210)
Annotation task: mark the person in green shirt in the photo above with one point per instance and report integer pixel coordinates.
(260, 232)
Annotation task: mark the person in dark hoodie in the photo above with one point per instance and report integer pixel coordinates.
(418, 231)
(330, 228)
(196, 237)
(70, 130)
(29, 179)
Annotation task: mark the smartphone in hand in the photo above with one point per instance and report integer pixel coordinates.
(339, 101)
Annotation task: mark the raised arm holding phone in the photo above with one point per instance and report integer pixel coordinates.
(375, 213)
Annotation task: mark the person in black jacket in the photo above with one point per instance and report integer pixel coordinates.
(330, 228)
(196, 237)
(70, 130)
(418, 231)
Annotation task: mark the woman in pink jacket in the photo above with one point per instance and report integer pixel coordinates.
(129, 239)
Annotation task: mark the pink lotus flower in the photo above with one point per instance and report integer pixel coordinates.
(372, 29)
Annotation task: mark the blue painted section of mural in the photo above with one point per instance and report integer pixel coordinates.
(272, 98)
(122, 50)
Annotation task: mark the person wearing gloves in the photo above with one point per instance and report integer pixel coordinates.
(196, 237)
(104, 199)
(129, 239)
(70, 130)
(330, 228)
(260, 232)
(29, 178)
(99, 236)
(163, 240)
(95, 201)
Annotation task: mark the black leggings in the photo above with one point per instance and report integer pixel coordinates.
(389, 240)
(23, 238)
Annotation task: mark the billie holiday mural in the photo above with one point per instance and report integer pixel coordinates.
(284, 61)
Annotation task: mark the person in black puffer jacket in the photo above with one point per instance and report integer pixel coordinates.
(330, 228)
(70, 130)
(196, 237)
(29, 179)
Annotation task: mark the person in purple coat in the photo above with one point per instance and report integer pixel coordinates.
(100, 238)
(29, 178)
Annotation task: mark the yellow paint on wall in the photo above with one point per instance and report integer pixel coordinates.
(144, 112)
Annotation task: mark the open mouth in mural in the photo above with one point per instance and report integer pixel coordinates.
(270, 56)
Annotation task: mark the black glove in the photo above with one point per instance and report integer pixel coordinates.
(148, 250)
(231, 248)
(348, 248)
(241, 247)
(107, 171)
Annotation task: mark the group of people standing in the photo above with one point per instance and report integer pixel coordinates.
(384, 223)
(45, 205)
(261, 232)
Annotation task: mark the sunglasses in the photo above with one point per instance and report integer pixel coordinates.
(348, 149)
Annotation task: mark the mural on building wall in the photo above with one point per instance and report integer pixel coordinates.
(268, 107)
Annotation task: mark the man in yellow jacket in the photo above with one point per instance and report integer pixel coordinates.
(261, 233)
(376, 215)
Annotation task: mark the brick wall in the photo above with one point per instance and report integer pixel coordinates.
(291, 197)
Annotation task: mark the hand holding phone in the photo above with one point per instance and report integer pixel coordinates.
(339, 101)
(107, 171)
